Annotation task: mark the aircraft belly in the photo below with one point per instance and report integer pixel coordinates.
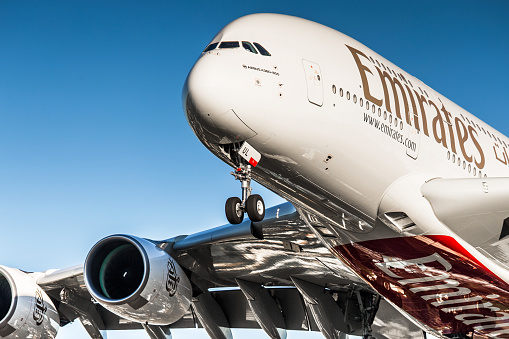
(435, 280)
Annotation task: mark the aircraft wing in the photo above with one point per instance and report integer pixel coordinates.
(275, 274)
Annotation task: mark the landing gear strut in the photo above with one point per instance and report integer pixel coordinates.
(251, 203)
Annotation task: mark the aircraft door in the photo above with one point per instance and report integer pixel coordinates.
(313, 82)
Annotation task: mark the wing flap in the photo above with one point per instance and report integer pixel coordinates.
(389, 323)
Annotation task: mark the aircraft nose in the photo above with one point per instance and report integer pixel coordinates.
(209, 97)
(206, 86)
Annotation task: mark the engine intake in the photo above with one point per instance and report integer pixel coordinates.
(136, 280)
(5, 297)
(119, 268)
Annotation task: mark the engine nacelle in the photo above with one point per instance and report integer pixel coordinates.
(136, 280)
(26, 311)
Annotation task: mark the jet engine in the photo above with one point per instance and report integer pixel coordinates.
(137, 280)
(26, 311)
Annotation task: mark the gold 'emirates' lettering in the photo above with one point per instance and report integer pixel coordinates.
(481, 162)
(461, 129)
(438, 122)
(406, 100)
(395, 85)
(422, 100)
(449, 125)
(362, 70)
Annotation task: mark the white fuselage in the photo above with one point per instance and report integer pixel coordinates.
(344, 134)
(269, 94)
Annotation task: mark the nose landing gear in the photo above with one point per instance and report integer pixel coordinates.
(251, 203)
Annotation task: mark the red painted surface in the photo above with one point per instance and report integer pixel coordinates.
(253, 162)
(435, 280)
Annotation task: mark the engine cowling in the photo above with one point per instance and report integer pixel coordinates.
(26, 311)
(136, 280)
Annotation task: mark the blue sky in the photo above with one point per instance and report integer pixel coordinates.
(93, 139)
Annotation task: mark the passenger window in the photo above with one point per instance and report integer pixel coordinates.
(210, 47)
(262, 50)
(248, 47)
(229, 44)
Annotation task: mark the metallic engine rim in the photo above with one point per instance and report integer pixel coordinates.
(146, 270)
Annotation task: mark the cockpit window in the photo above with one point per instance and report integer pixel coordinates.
(262, 50)
(248, 47)
(229, 44)
(210, 47)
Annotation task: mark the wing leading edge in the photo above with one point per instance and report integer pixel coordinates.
(278, 278)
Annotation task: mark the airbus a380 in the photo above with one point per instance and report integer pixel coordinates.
(397, 222)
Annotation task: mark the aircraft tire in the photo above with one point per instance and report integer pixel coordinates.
(255, 207)
(233, 210)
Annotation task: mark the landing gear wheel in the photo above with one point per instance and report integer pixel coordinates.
(255, 207)
(233, 210)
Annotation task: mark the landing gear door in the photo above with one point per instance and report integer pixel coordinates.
(314, 82)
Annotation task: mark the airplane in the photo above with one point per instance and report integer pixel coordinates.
(395, 224)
